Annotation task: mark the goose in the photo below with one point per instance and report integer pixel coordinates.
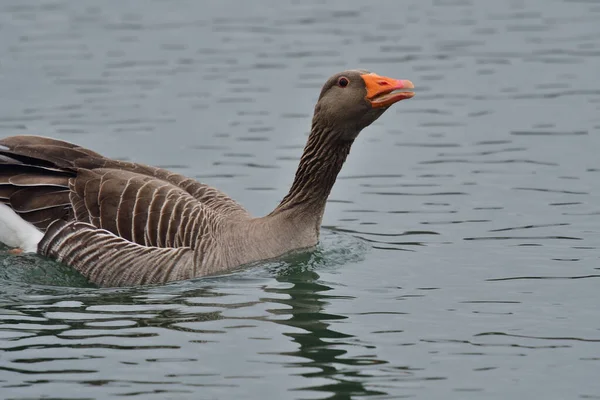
(121, 223)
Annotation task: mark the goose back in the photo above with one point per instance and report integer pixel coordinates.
(44, 179)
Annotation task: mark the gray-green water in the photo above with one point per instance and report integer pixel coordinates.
(460, 250)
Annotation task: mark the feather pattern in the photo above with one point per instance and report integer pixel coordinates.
(128, 262)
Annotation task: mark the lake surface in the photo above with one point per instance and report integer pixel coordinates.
(460, 251)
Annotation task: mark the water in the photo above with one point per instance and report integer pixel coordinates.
(460, 250)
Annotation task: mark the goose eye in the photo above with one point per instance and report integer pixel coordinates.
(343, 82)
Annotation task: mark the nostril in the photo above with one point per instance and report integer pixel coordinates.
(383, 83)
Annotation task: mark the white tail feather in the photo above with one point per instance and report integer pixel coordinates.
(16, 232)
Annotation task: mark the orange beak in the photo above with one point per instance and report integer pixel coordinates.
(383, 91)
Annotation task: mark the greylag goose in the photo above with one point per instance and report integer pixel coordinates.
(122, 224)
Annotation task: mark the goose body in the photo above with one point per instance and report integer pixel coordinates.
(122, 223)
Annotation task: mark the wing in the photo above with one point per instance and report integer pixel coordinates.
(108, 260)
(39, 195)
(43, 163)
(139, 208)
(136, 207)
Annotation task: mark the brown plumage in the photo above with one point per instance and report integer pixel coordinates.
(121, 223)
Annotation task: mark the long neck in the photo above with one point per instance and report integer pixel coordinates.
(296, 221)
(322, 160)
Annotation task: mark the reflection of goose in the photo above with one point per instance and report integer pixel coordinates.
(322, 348)
(121, 223)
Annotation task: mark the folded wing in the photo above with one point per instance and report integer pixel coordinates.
(44, 166)
(45, 180)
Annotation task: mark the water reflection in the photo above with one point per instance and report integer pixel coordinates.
(320, 344)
